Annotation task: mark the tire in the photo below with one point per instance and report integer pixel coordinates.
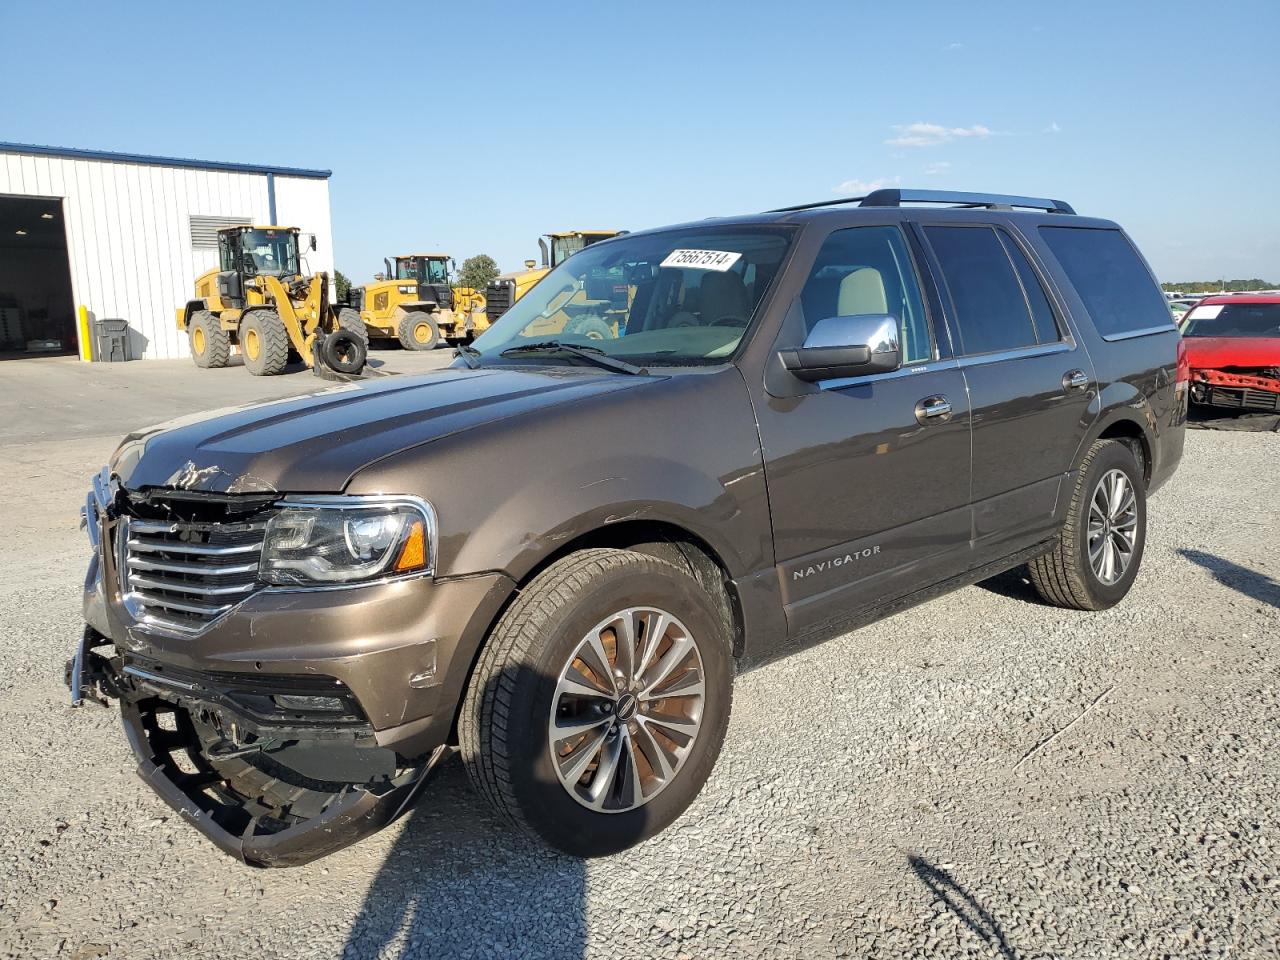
(504, 726)
(210, 345)
(418, 331)
(264, 343)
(343, 351)
(349, 320)
(593, 328)
(1066, 576)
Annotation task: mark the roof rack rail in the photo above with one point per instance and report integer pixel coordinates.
(896, 198)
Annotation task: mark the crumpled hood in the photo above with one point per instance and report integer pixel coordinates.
(1214, 353)
(314, 443)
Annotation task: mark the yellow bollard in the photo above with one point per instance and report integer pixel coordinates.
(86, 340)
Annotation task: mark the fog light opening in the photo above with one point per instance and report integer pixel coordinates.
(309, 704)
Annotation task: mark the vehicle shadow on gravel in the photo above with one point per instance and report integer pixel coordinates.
(1014, 585)
(462, 883)
(963, 904)
(1254, 585)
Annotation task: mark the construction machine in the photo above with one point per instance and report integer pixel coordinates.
(415, 303)
(555, 248)
(258, 302)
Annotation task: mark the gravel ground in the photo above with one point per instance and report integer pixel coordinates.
(982, 776)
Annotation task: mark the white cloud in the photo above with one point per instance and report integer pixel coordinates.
(1053, 128)
(860, 187)
(932, 134)
(934, 169)
(954, 46)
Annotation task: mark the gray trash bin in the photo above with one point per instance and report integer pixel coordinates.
(112, 339)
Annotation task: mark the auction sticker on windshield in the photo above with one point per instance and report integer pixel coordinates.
(701, 259)
(1207, 312)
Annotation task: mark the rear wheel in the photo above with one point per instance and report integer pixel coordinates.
(600, 701)
(418, 331)
(264, 343)
(1100, 549)
(210, 345)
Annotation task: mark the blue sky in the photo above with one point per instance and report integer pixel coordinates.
(478, 126)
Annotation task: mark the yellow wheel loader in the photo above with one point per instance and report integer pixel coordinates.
(510, 287)
(414, 303)
(257, 302)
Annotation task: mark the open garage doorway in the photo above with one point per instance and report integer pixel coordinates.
(37, 313)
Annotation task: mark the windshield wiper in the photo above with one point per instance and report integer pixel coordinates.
(590, 354)
(469, 354)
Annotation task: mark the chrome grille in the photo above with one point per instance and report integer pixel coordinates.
(185, 575)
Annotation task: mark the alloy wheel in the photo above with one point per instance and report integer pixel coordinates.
(1113, 526)
(627, 710)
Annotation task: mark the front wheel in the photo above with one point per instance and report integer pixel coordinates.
(600, 701)
(1102, 541)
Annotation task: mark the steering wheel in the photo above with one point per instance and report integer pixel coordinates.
(729, 321)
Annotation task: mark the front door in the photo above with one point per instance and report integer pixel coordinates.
(868, 476)
(1030, 383)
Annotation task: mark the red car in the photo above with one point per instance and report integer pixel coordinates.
(1233, 350)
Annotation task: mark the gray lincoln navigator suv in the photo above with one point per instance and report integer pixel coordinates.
(684, 452)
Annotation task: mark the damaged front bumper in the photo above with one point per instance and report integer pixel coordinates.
(272, 791)
(291, 722)
(1252, 390)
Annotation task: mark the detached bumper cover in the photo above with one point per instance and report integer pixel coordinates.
(174, 762)
(345, 821)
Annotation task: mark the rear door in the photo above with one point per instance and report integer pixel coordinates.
(1030, 383)
(868, 492)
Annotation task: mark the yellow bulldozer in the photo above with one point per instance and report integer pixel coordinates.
(415, 303)
(556, 248)
(258, 302)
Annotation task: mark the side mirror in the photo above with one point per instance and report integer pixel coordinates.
(846, 347)
(313, 241)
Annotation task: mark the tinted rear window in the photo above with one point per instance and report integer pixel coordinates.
(989, 302)
(1111, 279)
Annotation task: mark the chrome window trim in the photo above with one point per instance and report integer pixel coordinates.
(910, 370)
(999, 356)
(977, 360)
(1144, 332)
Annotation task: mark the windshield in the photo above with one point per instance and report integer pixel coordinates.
(422, 269)
(1234, 320)
(273, 252)
(675, 297)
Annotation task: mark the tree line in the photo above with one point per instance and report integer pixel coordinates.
(1219, 286)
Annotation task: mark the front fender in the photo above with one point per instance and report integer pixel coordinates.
(510, 493)
(605, 492)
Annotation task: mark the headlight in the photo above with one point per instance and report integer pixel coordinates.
(338, 540)
(410, 289)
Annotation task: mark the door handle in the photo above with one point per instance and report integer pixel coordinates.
(935, 409)
(1075, 380)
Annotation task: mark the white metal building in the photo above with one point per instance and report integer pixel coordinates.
(125, 236)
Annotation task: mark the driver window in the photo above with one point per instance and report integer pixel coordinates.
(867, 270)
